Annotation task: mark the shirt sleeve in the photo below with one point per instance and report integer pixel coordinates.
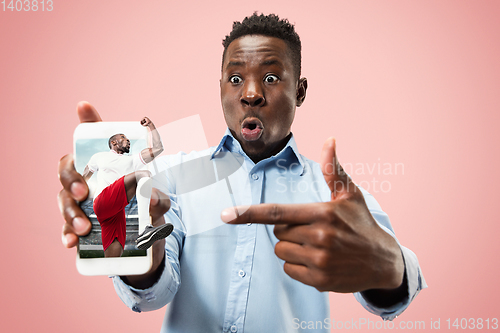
(164, 290)
(92, 164)
(139, 163)
(415, 279)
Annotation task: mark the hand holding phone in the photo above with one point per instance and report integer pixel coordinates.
(77, 224)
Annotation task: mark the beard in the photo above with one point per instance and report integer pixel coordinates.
(124, 150)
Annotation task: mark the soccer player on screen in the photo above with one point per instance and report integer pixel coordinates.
(119, 177)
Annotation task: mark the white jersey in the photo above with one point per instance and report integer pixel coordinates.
(111, 166)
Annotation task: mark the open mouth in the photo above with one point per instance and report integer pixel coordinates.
(251, 129)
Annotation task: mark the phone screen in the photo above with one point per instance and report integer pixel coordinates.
(91, 144)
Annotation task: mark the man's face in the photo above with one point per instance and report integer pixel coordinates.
(259, 94)
(122, 144)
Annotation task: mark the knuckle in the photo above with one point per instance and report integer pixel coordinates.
(66, 229)
(67, 206)
(323, 212)
(275, 214)
(68, 177)
(62, 199)
(328, 211)
(321, 260)
(322, 237)
(68, 213)
(60, 195)
(319, 236)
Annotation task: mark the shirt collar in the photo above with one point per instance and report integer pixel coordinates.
(114, 152)
(231, 144)
(222, 142)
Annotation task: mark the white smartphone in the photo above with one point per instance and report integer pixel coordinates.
(90, 139)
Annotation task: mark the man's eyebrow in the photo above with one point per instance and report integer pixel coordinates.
(235, 64)
(271, 62)
(263, 63)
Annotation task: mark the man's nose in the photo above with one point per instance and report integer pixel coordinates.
(252, 94)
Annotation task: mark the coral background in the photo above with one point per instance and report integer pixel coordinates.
(413, 83)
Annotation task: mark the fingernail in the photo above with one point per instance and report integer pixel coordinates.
(78, 190)
(228, 214)
(79, 224)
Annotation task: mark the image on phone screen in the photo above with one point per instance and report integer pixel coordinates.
(91, 245)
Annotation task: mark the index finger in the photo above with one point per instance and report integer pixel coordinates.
(293, 214)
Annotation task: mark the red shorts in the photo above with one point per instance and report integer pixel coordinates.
(109, 207)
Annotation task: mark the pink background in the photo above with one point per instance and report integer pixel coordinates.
(411, 82)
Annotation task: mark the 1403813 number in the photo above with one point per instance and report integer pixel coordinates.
(28, 5)
(473, 323)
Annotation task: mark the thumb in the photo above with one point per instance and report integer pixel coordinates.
(338, 181)
(87, 113)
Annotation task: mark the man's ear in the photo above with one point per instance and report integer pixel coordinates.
(301, 91)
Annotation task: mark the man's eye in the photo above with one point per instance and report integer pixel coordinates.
(271, 78)
(235, 79)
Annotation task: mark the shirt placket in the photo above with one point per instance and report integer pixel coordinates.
(241, 271)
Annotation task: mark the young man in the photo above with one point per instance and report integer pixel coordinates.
(263, 270)
(118, 177)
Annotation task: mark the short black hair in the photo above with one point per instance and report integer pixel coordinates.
(268, 25)
(114, 137)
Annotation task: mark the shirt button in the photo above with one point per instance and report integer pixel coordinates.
(234, 328)
(241, 273)
(255, 176)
